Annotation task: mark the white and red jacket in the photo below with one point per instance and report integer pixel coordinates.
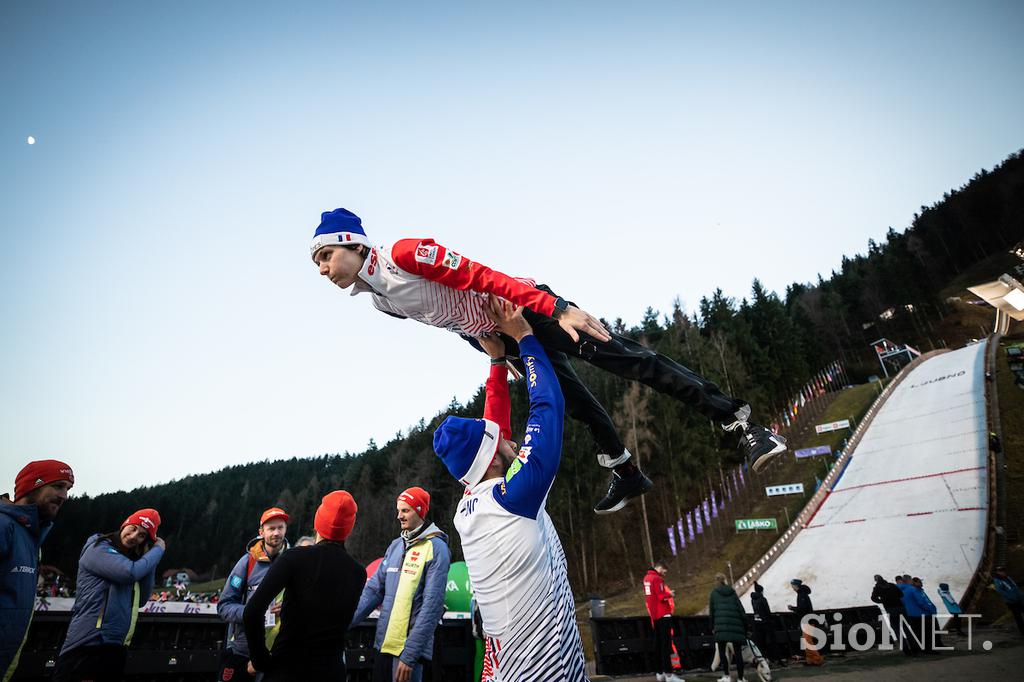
(659, 599)
(424, 281)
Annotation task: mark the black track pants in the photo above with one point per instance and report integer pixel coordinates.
(624, 358)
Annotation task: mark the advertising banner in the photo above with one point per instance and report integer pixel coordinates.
(789, 489)
(756, 524)
(813, 452)
(833, 426)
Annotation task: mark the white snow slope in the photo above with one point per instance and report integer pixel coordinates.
(912, 500)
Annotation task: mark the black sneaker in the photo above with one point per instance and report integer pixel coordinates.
(759, 445)
(621, 490)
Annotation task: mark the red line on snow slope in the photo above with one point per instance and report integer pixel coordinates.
(908, 478)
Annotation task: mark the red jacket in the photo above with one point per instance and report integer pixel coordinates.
(421, 280)
(656, 594)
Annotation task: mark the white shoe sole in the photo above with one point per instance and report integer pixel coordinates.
(619, 505)
(762, 461)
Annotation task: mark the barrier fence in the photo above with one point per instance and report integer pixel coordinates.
(625, 646)
(170, 647)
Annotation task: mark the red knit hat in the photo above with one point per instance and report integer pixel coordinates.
(43, 472)
(147, 518)
(274, 513)
(336, 516)
(418, 499)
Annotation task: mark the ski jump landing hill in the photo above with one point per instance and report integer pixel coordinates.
(912, 498)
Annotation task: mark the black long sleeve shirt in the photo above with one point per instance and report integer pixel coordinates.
(321, 587)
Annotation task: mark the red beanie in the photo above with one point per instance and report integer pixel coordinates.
(37, 474)
(336, 516)
(418, 499)
(147, 518)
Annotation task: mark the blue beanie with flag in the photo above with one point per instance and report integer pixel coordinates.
(467, 447)
(339, 226)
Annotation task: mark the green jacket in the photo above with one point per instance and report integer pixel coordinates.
(728, 619)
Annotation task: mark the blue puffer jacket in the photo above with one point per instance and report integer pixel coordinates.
(915, 601)
(111, 588)
(427, 602)
(909, 600)
(239, 586)
(21, 535)
(927, 605)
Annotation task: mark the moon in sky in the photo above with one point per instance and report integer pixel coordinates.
(31, 140)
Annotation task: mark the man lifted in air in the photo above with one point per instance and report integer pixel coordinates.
(424, 281)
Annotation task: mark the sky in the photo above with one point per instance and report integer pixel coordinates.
(160, 314)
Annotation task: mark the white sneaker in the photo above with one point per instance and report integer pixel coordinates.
(672, 677)
(660, 677)
(724, 678)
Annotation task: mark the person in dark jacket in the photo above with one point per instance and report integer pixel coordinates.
(40, 490)
(115, 578)
(321, 587)
(729, 623)
(890, 597)
(243, 580)
(802, 608)
(764, 627)
(409, 586)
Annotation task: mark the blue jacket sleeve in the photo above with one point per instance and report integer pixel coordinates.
(531, 475)
(921, 600)
(146, 588)
(103, 560)
(929, 605)
(373, 591)
(6, 533)
(433, 604)
(230, 605)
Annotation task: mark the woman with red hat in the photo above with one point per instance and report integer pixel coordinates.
(321, 587)
(115, 578)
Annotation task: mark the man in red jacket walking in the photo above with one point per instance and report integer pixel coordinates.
(660, 602)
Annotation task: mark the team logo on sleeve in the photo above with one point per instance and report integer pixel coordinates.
(451, 260)
(426, 253)
(521, 459)
(531, 370)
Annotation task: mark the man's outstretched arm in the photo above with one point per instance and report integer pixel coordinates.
(428, 259)
(530, 477)
(497, 403)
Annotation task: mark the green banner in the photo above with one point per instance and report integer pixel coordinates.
(756, 524)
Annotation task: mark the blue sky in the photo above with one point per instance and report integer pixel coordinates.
(161, 316)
